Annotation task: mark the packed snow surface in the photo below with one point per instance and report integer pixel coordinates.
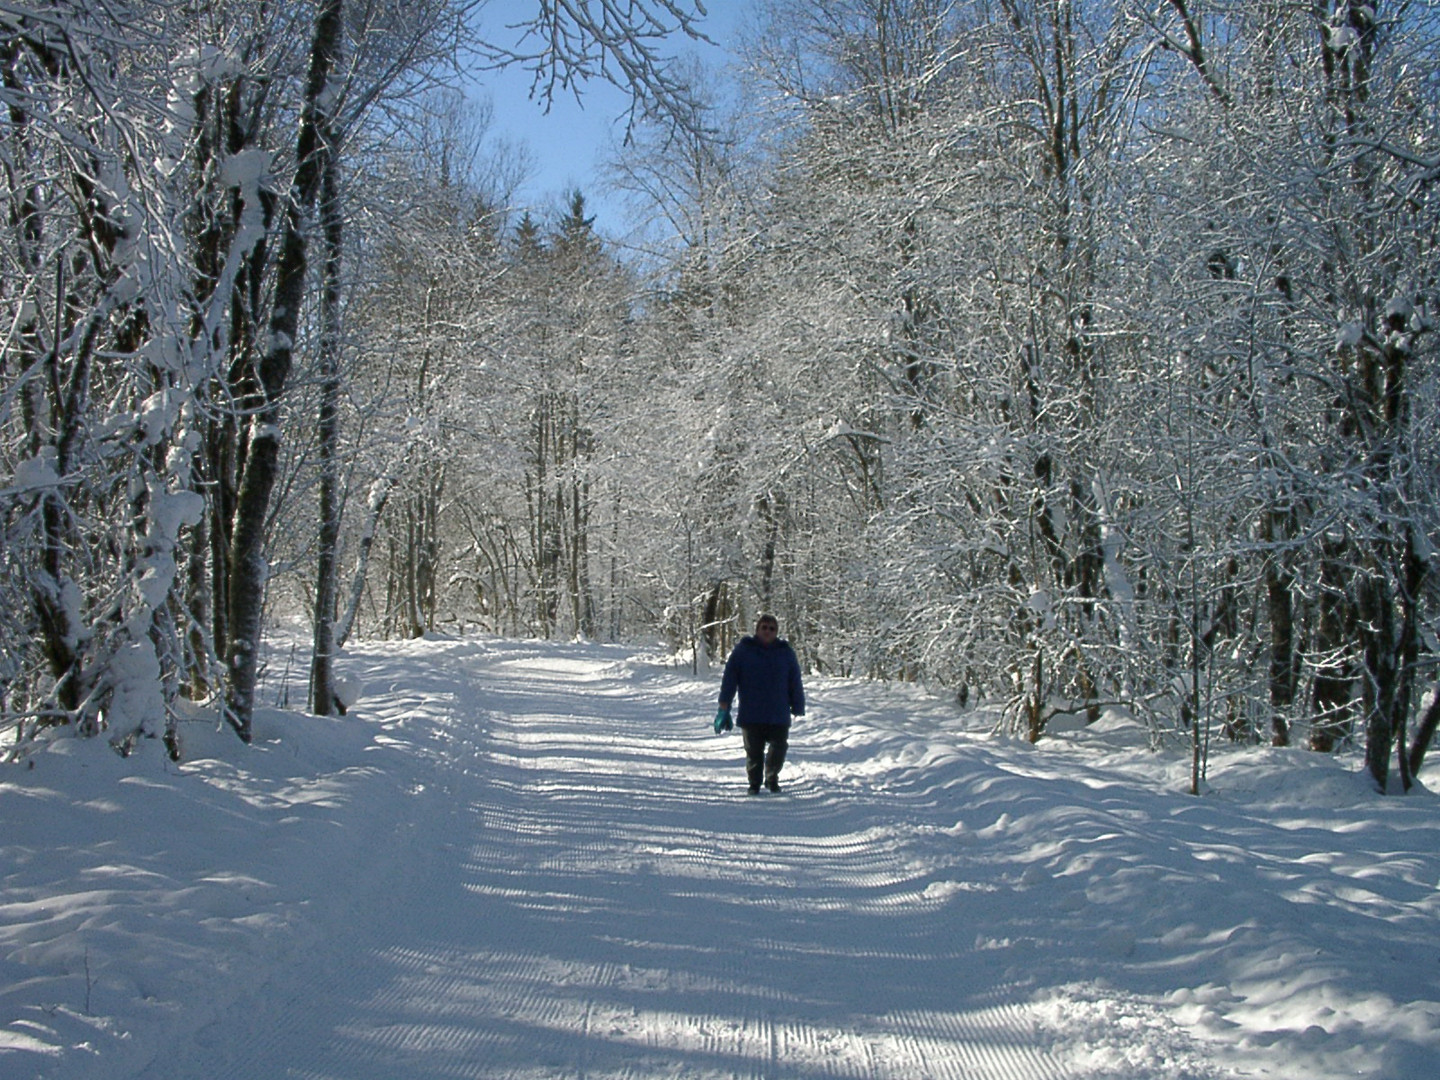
(518, 859)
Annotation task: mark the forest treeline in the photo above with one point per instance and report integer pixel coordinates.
(1066, 355)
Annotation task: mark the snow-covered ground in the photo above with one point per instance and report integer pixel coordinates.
(519, 859)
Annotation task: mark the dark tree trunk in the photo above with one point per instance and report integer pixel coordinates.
(1424, 734)
(248, 568)
(322, 667)
(1332, 693)
(1279, 582)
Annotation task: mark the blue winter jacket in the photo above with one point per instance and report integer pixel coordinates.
(768, 679)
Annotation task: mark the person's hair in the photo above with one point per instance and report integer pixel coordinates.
(763, 619)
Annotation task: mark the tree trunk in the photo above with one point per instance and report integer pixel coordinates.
(245, 595)
(1378, 638)
(199, 610)
(1332, 695)
(322, 665)
(379, 496)
(1279, 582)
(1425, 733)
(419, 576)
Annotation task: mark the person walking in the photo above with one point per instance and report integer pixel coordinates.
(764, 670)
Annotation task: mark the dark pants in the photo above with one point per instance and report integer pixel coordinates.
(758, 764)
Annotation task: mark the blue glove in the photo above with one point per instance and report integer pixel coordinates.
(722, 720)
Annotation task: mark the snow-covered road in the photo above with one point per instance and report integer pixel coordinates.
(536, 860)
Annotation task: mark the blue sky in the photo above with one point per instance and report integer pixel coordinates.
(566, 144)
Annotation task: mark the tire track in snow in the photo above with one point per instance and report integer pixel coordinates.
(537, 861)
(587, 892)
(634, 886)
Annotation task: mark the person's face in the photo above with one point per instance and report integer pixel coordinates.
(766, 631)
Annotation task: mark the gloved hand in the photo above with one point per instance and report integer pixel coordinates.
(722, 720)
